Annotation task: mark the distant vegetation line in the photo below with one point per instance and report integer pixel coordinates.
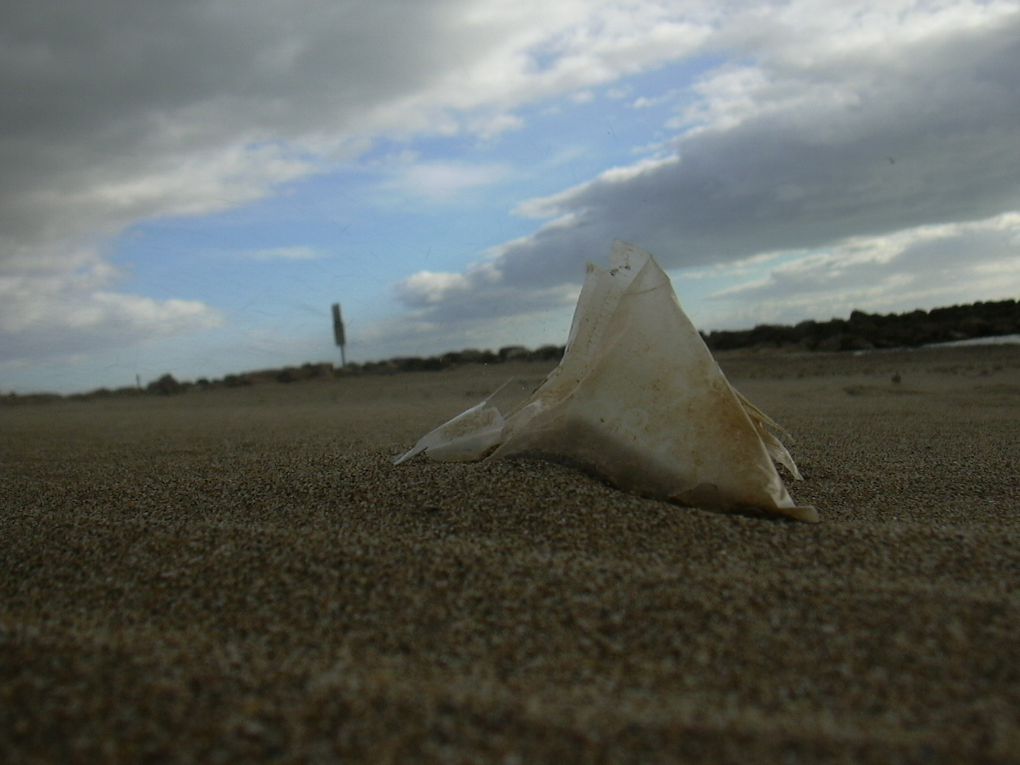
(867, 331)
(862, 331)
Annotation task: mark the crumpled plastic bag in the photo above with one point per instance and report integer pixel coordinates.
(638, 399)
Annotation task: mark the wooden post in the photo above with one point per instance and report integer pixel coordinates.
(338, 334)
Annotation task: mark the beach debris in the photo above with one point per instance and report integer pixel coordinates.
(639, 400)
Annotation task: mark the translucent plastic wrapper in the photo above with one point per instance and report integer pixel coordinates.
(639, 400)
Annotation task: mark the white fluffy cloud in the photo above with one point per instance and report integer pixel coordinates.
(427, 288)
(63, 307)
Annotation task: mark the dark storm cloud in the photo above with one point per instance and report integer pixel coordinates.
(781, 156)
(113, 113)
(97, 95)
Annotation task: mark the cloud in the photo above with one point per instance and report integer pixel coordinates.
(826, 124)
(956, 262)
(562, 204)
(115, 114)
(492, 126)
(883, 123)
(427, 288)
(440, 181)
(185, 109)
(64, 306)
(648, 102)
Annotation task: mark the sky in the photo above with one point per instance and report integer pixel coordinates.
(187, 187)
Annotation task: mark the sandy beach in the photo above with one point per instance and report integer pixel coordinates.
(242, 575)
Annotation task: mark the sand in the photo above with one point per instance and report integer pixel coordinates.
(242, 575)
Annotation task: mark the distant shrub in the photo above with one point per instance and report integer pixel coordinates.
(548, 353)
(236, 381)
(165, 386)
(511, 352)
